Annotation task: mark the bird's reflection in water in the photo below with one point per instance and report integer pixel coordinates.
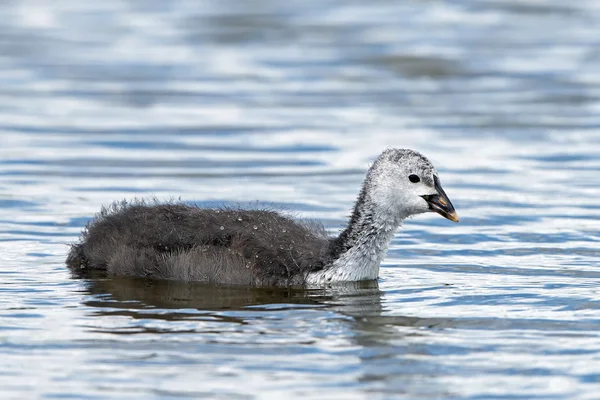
(359, 304)
(176, 301)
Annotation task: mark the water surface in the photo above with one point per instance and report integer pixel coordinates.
(286, 103)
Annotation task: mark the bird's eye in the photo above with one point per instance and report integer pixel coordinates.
(414, 178)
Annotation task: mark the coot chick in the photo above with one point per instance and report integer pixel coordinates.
(262, 247)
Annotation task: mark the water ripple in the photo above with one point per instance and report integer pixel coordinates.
(287, 103)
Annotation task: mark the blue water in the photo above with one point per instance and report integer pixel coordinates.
(286, 103)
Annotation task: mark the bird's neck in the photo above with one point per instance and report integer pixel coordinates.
(358, 251)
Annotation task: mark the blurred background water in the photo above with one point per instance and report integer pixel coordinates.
(229, 102)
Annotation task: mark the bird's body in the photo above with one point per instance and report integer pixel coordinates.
(188, 243)
(260, 247)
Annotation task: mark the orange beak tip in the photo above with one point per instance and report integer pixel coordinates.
(453, 217)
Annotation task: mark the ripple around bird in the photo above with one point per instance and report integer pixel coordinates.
(211, 103)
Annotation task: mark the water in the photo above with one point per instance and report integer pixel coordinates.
(287, 102)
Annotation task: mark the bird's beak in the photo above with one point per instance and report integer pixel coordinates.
(440, 203)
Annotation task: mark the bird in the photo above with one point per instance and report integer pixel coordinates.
(261, 247)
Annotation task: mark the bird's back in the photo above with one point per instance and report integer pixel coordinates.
(188, 243)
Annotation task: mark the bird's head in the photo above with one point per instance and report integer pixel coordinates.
(403, 183)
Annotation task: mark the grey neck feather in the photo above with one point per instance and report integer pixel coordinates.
(360, 248)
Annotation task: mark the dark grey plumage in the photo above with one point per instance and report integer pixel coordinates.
(184, 242)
